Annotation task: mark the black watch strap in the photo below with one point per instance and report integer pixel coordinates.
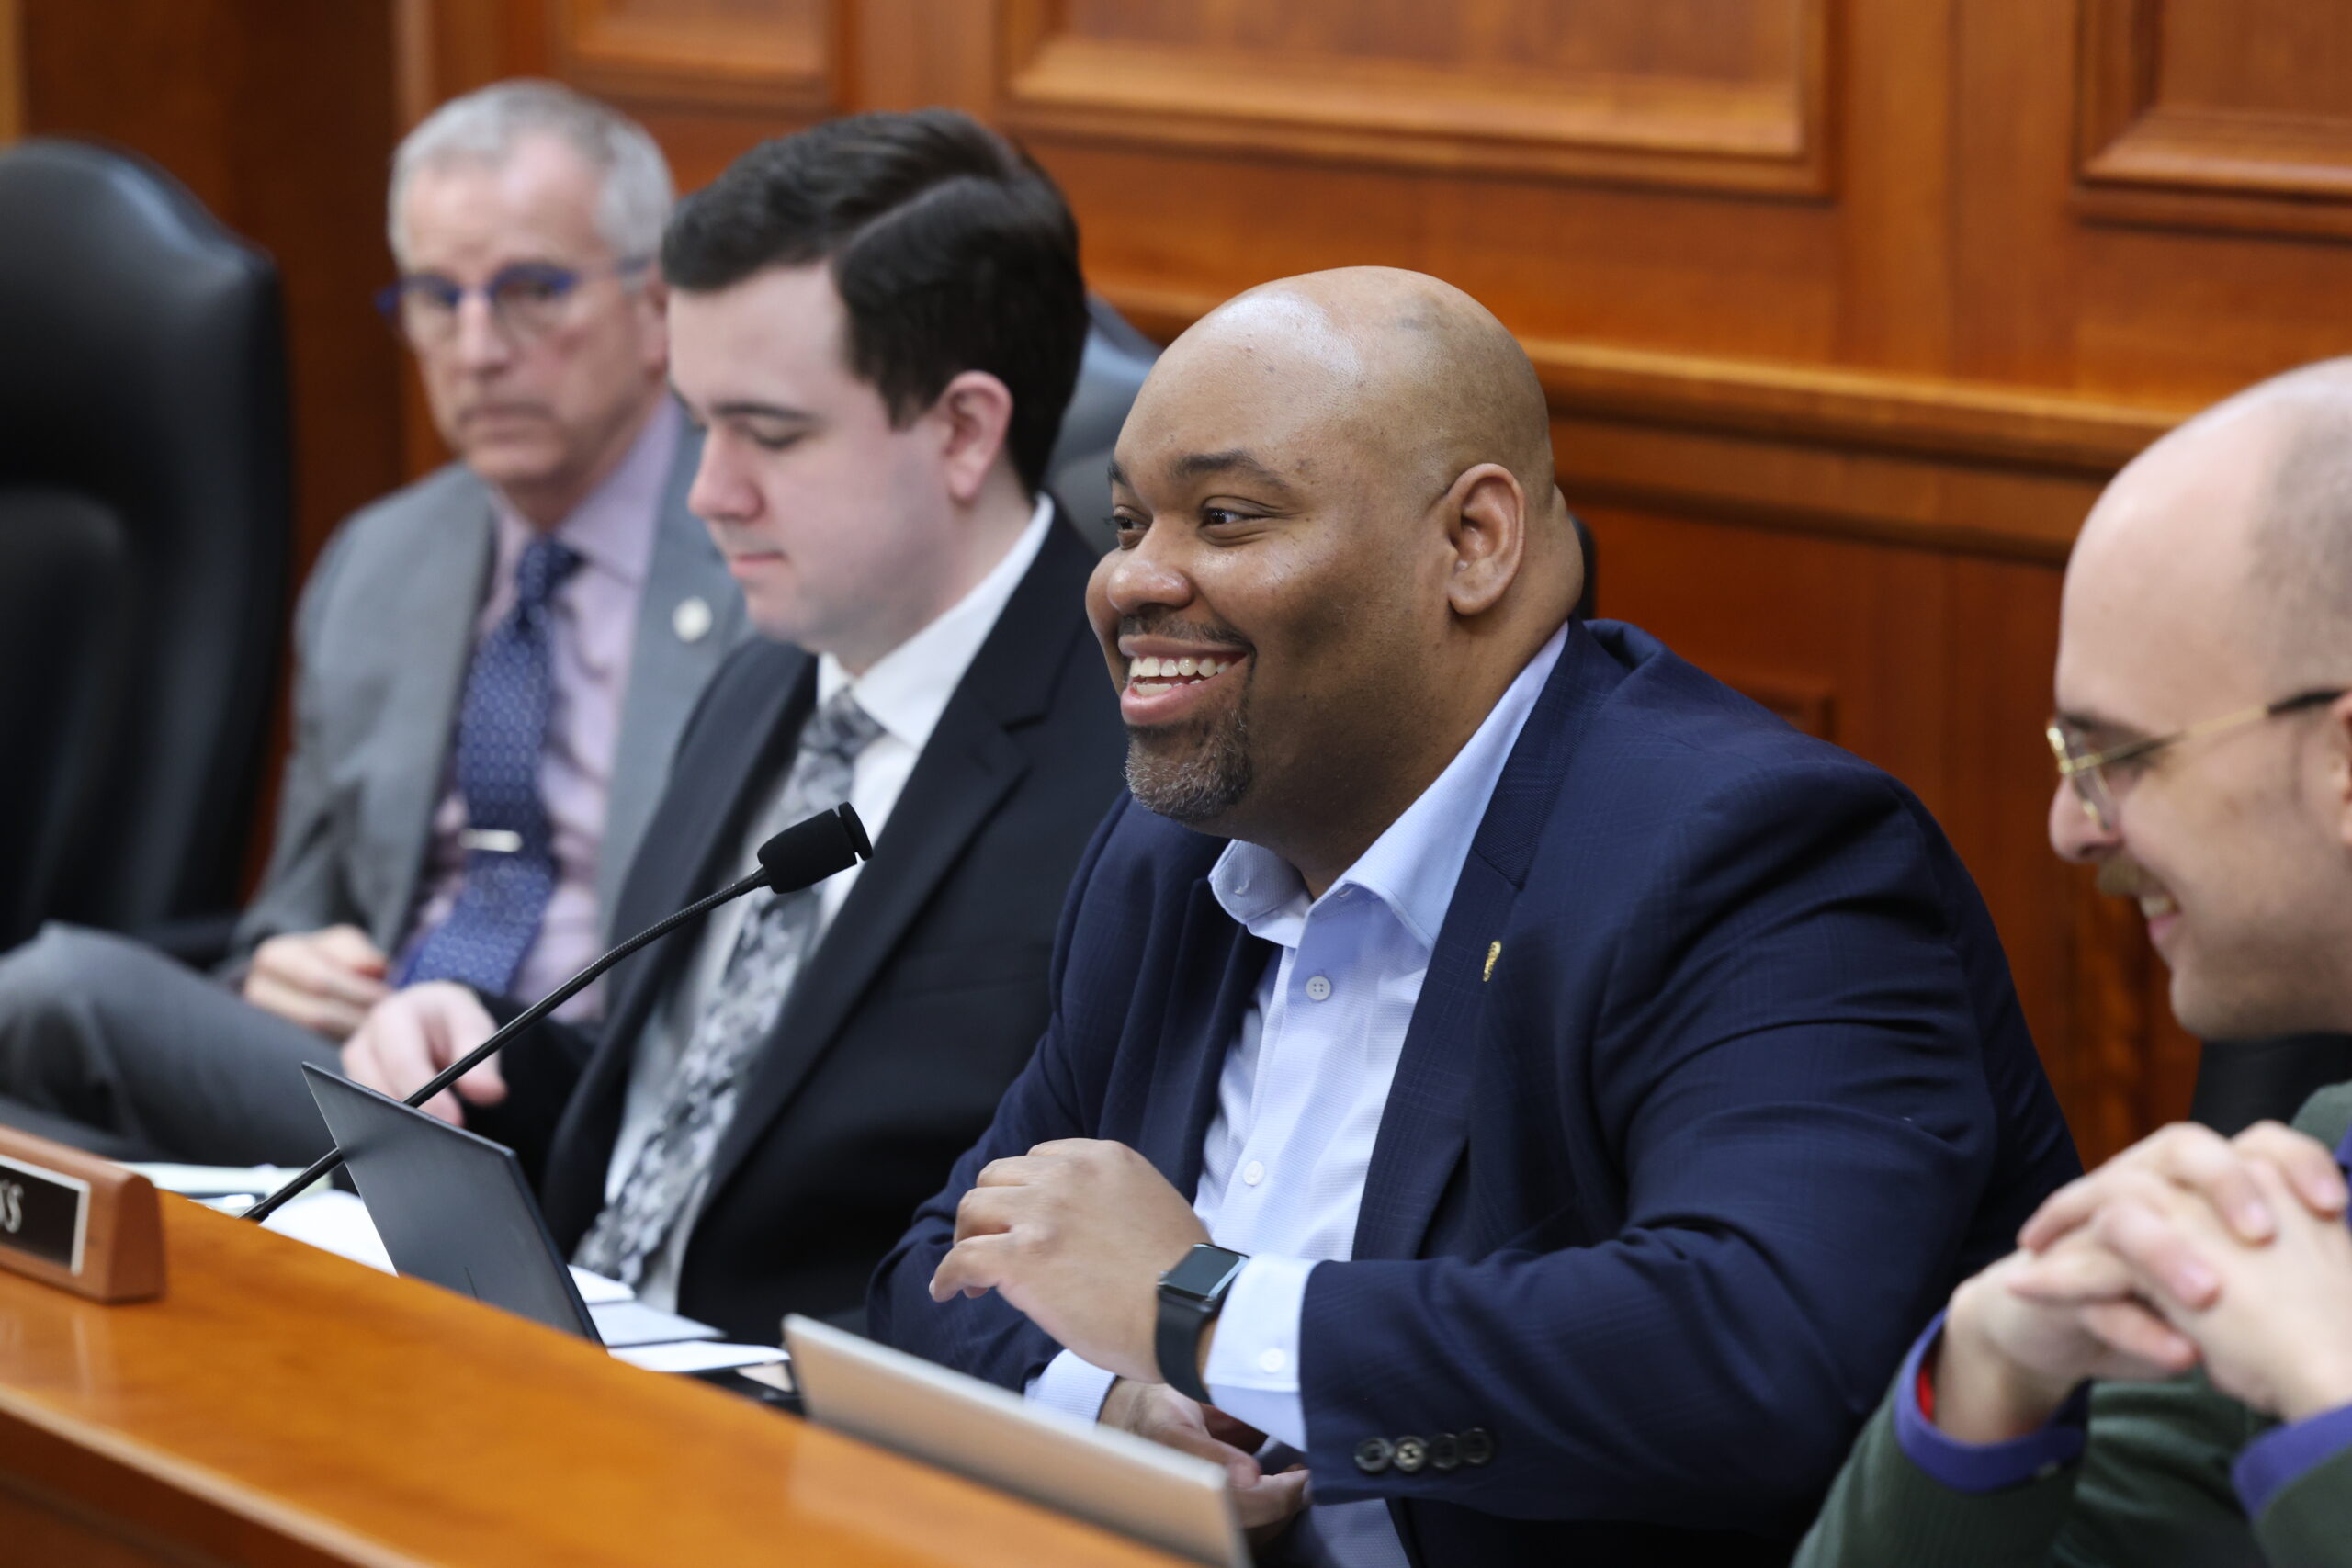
(1191, 1295)
(1178, 1346)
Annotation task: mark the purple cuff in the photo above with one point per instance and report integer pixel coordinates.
(1982, 1467)
(2284, 1454)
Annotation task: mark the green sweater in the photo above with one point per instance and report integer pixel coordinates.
(2151, 1490)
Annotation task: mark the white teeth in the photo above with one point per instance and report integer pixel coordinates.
(2153, 904)
(1165, 670)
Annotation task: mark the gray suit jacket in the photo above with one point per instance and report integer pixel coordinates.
(382, 642)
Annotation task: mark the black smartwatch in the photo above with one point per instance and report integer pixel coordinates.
(1191, 1295)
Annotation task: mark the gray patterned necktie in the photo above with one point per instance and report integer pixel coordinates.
(735, 1021)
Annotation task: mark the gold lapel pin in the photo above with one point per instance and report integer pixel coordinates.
(1494, 950)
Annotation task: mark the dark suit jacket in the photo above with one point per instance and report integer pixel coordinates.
(1659, 1201)
(921, 1001)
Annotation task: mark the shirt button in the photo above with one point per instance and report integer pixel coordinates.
(1318, 988)
(1271, 1361)
(1253, 1173)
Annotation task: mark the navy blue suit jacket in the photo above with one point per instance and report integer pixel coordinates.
(1658, 1202)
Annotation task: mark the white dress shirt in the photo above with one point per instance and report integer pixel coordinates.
(1303, 1085)
(904, 691)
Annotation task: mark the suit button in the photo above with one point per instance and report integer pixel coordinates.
(1445, 1451)
(1373, 1455)
(1411, 1454)
(1478, 1445)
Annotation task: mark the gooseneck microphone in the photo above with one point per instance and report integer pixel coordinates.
(801, 856)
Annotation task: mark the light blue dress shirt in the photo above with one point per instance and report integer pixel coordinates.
(1300, 1098)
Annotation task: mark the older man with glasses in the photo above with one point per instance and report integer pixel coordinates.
(493, 665)
(2162, 1373)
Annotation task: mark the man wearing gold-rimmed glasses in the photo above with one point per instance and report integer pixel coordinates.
(2162, 1374)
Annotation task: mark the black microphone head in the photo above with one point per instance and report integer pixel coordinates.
(858, 841)
(807, 852)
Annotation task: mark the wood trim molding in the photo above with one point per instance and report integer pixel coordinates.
(1972, 466)
(777, 70)
(12, 71)
(1747, 138)
(1972, 422)
(2142, 163)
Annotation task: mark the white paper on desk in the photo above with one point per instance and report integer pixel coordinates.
(697, 1356)
(214, 1181)
(335, 1221)
(595, 1289)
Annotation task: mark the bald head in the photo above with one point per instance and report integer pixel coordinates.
(2240, 519)
(1410, 367)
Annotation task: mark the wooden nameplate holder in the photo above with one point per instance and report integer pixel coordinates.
(77, 1222)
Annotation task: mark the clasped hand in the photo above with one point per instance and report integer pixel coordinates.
(2186, 1247)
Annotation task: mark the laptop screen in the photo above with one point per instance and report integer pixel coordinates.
(453, 1208)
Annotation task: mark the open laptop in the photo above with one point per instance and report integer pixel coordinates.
(454, 1208)
(1179, 1502)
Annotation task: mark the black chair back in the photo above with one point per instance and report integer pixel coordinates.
(145, 507)
(1117, 359)
(2240, 1082)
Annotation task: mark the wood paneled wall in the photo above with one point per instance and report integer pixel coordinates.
(12, 81)
(1847, 307)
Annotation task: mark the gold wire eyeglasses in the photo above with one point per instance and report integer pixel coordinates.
(2087, 770)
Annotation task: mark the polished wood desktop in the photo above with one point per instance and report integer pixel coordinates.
(280, 1405)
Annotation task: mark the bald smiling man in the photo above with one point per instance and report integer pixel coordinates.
(1508, 1098)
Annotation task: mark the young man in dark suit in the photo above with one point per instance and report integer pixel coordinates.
(878, 323)
(1603, 1080)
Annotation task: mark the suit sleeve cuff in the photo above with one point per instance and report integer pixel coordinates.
(2284, 1454)
(1253, 1361)
(1976, 1468)
(1072, 1386)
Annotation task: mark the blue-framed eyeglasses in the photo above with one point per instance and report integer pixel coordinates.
(527, 299)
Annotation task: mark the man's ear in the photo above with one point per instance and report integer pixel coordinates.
(974, 412)
(1485, 520)
(653, 299)
(2339, 766)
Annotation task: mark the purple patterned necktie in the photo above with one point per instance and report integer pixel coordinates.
(502, 736)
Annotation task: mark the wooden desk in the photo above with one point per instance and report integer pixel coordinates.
(279, 1406)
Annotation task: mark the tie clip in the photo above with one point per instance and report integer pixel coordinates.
(491, 840)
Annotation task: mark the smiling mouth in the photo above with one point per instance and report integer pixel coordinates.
(2122, 879)
(1147, 677)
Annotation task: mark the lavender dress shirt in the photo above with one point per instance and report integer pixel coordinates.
(594, 636)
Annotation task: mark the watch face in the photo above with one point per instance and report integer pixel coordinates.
(1204, 1273)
